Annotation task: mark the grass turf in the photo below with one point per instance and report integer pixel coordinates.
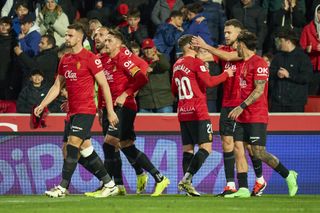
(163, 204)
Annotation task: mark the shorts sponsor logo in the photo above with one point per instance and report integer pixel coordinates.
(254, 139)
(111, 128)
(76, 128)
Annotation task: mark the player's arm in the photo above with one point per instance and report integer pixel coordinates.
(224, 55)
(212, 81)
(255, 95)
(140, 79)
(51, 95)
(102, 81)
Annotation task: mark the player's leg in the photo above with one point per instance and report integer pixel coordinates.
(127, 136)
(260, 183)
(259, 151)
(241, 163)
(226, 133)
(201, 132)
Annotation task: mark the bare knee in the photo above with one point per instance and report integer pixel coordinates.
(207, 147)
(126, 143)
(74, 141)
(227, 143)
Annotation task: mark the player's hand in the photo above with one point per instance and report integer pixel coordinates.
(113, 118)
(199, 42)
(38, 110)
(230, 72)
(121, 99)
(200, 19)
(234, 114)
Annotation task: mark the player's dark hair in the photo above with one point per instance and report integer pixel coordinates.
(134, 45)
(234, 22)
(77, 27)
(117, 34)
(184, 40)
(175, 13)
(249, 39)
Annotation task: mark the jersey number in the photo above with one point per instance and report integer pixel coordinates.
(184, 87)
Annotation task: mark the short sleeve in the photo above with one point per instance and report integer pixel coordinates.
(60, 66)
(129, 65)
(261, 70)
(95, 65)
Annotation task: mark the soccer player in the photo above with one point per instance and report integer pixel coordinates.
(113, 163)
(230, 99)
(79, 70)
(252, 117)
(127, 77)
(190, 80)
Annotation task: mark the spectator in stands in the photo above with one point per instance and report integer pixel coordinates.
(290, 73)
(69, 7)
(29, 37)
(100, 12)
(290, 15)
(21, 10)
(10, 6)
(196, 27)
(135, 48)
(156, 95)
(32, 94)
(120, 16)
(52, 20)
(7, 42)
(268, 58)
(134, 31)
(94, 24)
(310, 42)
(47, 60)
(254, 18)
(162, 10)
(215, 16)
(168, 34)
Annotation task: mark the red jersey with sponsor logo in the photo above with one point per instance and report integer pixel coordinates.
(231, 89)
(255, 68)
(79, 71)
(120, 71)
(192, 103)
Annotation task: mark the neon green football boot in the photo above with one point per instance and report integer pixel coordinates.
(241, 193)
(160, 187)
(292, 183)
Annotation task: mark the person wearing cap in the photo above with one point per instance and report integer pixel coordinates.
(52, 20)
(156, 95)
(33, 93)
(290, 74)
(120, 16)
(29, 38)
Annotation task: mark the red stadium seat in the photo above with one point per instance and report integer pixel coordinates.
(313, 104)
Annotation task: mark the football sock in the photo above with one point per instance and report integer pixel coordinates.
(142, 160)
(257, 166)
(187, 157)
(117, 169)
(242, 179)
(229, 160)
(69, 165)
(108, 151)
(282, 170)
(135, 166)
(197, 161)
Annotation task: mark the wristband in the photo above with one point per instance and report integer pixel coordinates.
(243, 105)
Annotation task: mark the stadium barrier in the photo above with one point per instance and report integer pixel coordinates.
(31, 159)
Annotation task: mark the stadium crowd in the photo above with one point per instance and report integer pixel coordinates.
(32, 41)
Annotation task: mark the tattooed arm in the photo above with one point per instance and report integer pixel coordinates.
(255, 95)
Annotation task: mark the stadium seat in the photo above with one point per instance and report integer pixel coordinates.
(313, 104)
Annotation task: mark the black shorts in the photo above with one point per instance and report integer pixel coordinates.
(67, 131)
(80, 125)
(124, 130)
(196, 132)
(226, 124)
(251, 133)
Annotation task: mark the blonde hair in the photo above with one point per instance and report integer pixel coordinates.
(57, 9)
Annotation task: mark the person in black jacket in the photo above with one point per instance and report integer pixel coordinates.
(134, 31)
(33, 93)
(47, 60)
(290, 73)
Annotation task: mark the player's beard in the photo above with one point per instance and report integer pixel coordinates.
(68, 44)
(100, 47)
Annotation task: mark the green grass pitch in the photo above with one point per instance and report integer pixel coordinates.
(163, 204)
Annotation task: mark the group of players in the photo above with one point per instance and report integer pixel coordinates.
(120, 74)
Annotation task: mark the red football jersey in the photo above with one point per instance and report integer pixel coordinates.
(120, 71)
(255, 68)
(231, 88)
(79, 71)
(190, 80)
